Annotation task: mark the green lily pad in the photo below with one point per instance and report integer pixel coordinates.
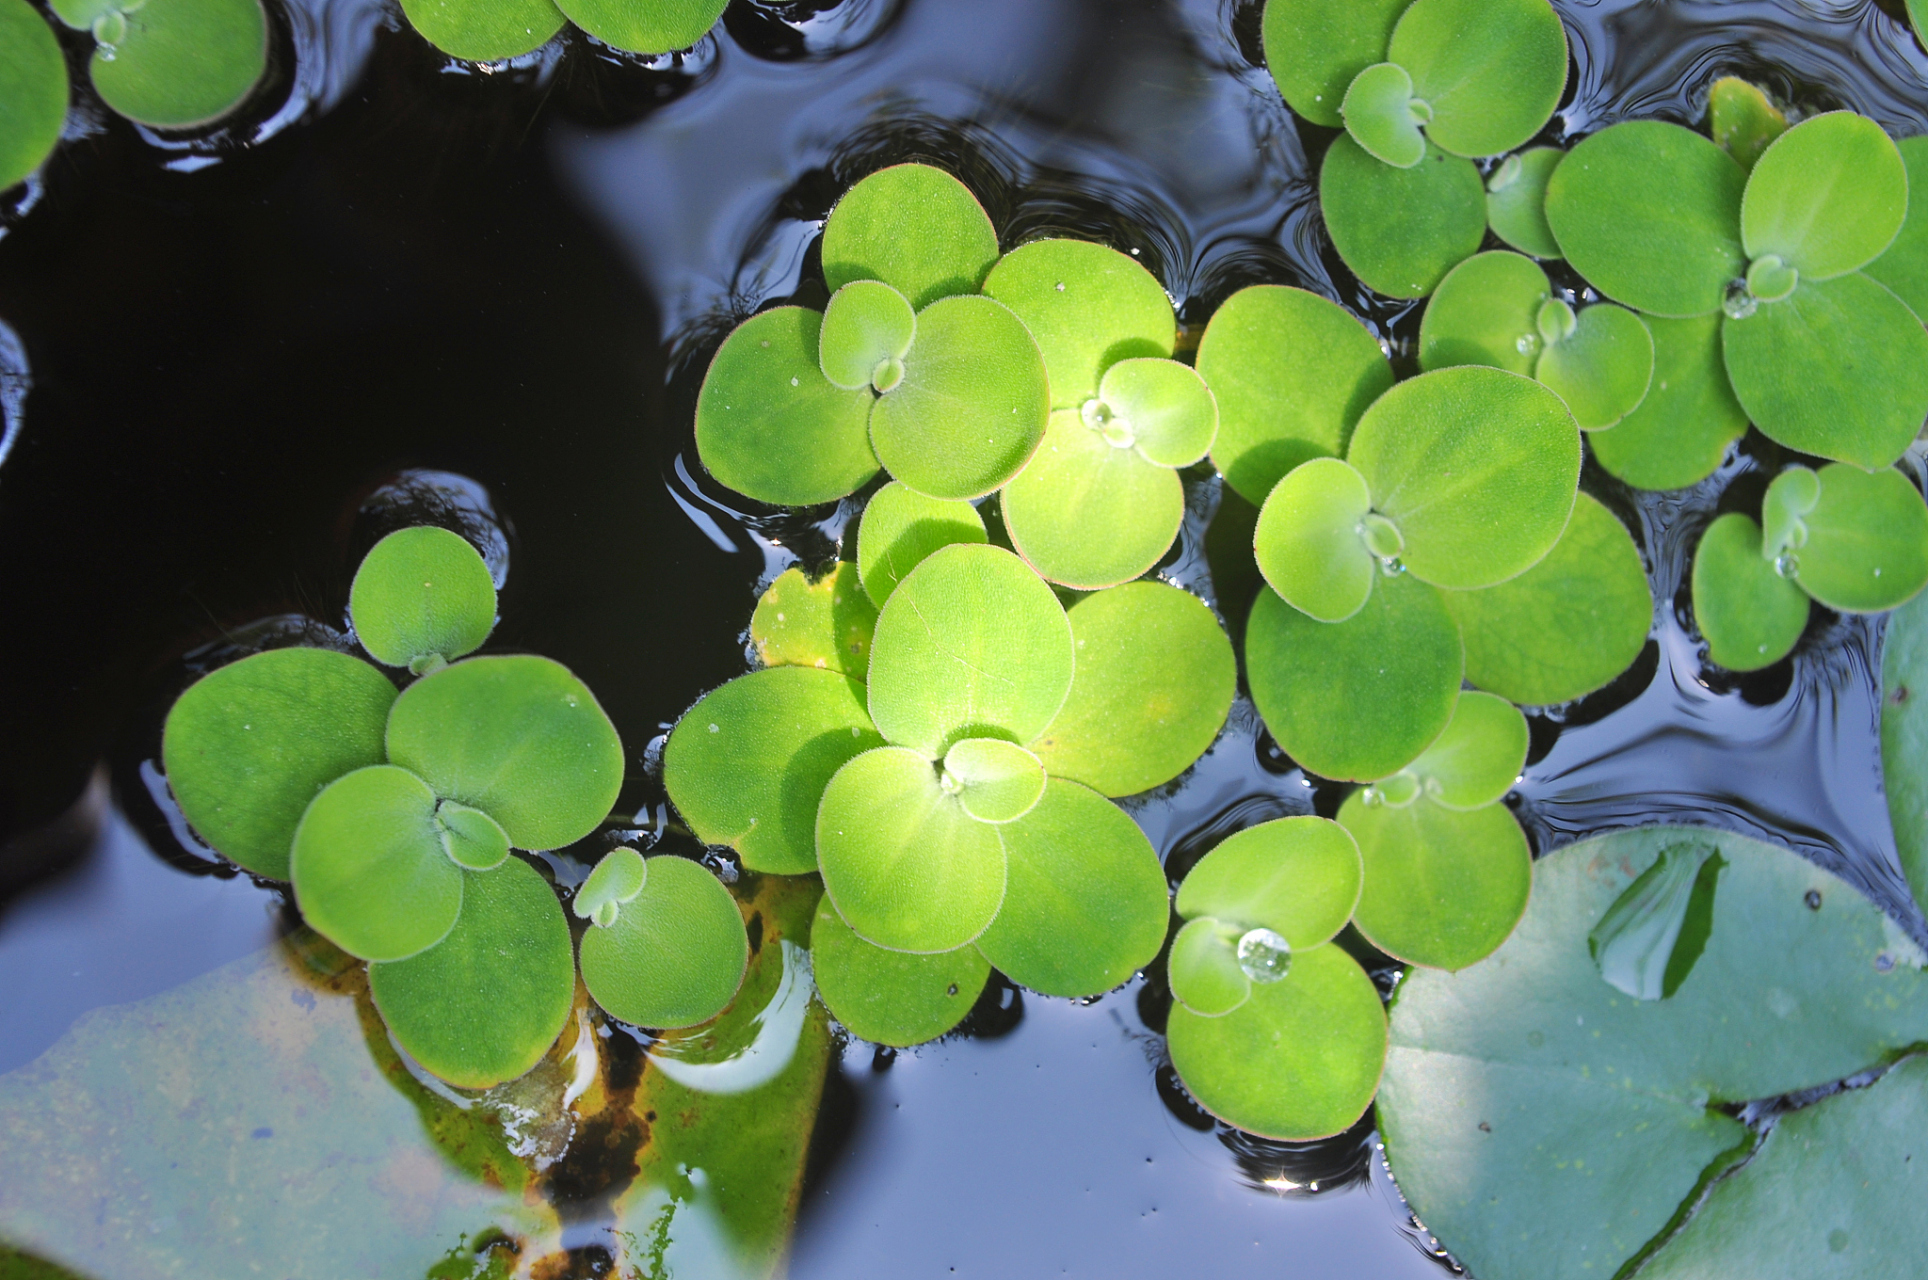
(915, 228)
(891, 997)
(33, 91)
(1750, 614)
(995, 780)
(1680, 432)
(825, 624)
(1478, 757)
(471, 838)
(900, 527)
(1089, 513)
(247, 747)
(1904, 737)
(1838, 368)
(1298, 1060)
(1443, 887)
(1904, 266)
(867, 330)
(1088, 306)
(747, 765)
(1442, 205)
(1358, 699)
(1650, 214)
(771, 426)
(1310, 541)
(1516, 201)
(1382, 117)
(421, 598)
(1314, 49)
(1742, 120)
(905, 865)
(971, 408)
(1825, 197)
(1203, 968)
(519, 738)
(674, 955)
(1862, 547)
(1153, 683)
(972, 644)
(485, 30)
(1291, 373)
(175, 64)
(1490, 70)
(1086, 904)
(1163, 406)
(617, 879)
(656, 26)
(1298, 877)
(484, 1004)
(1485, 312)
(1566, 626)
(369, 869)
(1602, 367)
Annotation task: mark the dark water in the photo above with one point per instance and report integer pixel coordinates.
(393, 266)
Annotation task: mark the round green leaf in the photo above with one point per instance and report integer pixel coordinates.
(1477, 469)
(1298, 1060)
(1750, 614)
(1904, 737)
(995, 780)
(1904, 266)
(33, 91)
(1838, 368)
(900, 527)
(972, 644)
(915, 228)
(1382, 117)
(1314, 49)
(1090, 513)
(1516, 201)
(368, 866)
(1362, 698)
(1828, 196)
(1085, 903)
(1204, 970)
(1443, 887)
(1310, 544)
(182, 63)
(1164, 406)
(1491, 70)
(675, 954)
(1088, 306)
(483, 1005)
(1298, 877)
(1479, 756)
(1484, 312)
(891, 997)
(747, 765)
(1566, 626)
(867, 330)
(1866, 548)
(519, 738)
(905, 865)
(826, 623)
(771, 426)
(422, 597)
(1650, 214)
(1742, 120)
(1441, 219)
(617, 879)
(1602, 369)
(1680, 432)
(471, 838)
(1291, 373)
(247, 747)
(1152, 686)
(972, 405)
(655, 26)
(484, 30)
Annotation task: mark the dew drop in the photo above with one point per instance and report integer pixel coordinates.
(1737, 302)
(793, 382)
(1060, 286)
(714, 729)
(1813, 899)
(953, 987)
(1527, 344)
(1787, 564)
(1264, 955)
(949, 781)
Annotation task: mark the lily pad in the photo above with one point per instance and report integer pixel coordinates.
(1088, 306)
(867, 330)
(915, 228)
(1750, 614)
(1904, 737)
(900, 527)
(1382, 116)
(655, 26)
(248, 746)
(1491, 71)
(891, 997)
(617, 879)
(485, 30)
(1904, 265)
(1442, 205)
(520, 738)
(421, 598)
(33, 91)
(1314, 49)
(1311, 542)
(1089, 513)
(1826, 197)
(1298, 877)
(674, 955)
(1680, 432)
(995, 780)
(177, 64)
(825, 624)
(1863, 545)
(1516, 201)
(1742, 120)
(1478, 757)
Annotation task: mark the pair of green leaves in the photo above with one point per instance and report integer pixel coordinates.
(666, 945)
(173, 64)
(490, 30)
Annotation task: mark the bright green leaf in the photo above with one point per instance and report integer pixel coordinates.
(1750, 614)
(1164, 406)
(891, 997)
(1442, 216)
(1478, 757)
(1203, 968)
(177, 64)
(1864, 548)
(915, 228)
(1826, 197)
(1516, 201)
(617, 879)
(654, 26)
(485, 30)
(1680, 432)
(1483, 313)
(674, 955)
(421, 598)
(1904, 266)
(1088, 306)
(900, 527)
(995, 780)
(1298, 877)
(1310, 544)
(867, 330)
(1382, 117)
(1603, 368)
(1490, 70)
(471, 838)
(826, 623)
(1090, 513)
(33, 91)
(1314, 48)
(1742, 120)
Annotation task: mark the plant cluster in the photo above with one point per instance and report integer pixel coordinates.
(491, 30)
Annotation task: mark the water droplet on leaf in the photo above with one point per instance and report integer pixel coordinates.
(1264, 955)
(1737, 302)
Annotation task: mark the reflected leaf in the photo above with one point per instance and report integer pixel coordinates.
(1648, 940)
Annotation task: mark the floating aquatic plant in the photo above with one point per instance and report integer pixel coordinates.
(33, 91)
(173, 64)
(491, 30)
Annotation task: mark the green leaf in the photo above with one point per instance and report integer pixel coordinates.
(1088, 306)
(915, 228)
(33, 91)
(1904, 737)
(176, 64)
(1650, 938)
(1475, 467)
(1382, 117)
(421, 598)
(1750, 614)
(1838, 368)
(1090, 513)
(1542, 1124)
(1291, 373)
(1298, 1060)
(900, 527)
(995, 780)
(484, 30)
(867, 330)
(1491, 70)
(1602, 368)
(1904, 266)
(1742, 120)
(1298, 877)
(1442, 218)
(1203, 968)
(825, 624)
(1826, 197)
(1164, 406)
(1362, 698)
(471, 838)
(519, 738)
(657, 26)
(674, 955)
(1863, 546)
(483, 1005)
(972, 644)
(369, 869)
(1484, 312)
(1443, 887)
(1650, 214)
(771, 426)
(906, 866)
(246, 747)
(1680, 432)
(1566, 626)
(1516, 201)
(1314, 49)
(1478, 757)
(891, 997)
(1085, 904)
(747, 765)
(1311, 543)
(617, 879)
(1152, 685)
(972, 405)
